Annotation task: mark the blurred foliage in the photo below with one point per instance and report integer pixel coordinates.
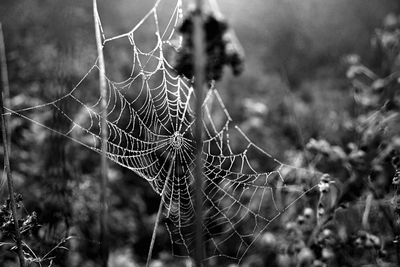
(355, 221)
(293, 100)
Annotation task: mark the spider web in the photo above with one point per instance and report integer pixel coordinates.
(150, 131)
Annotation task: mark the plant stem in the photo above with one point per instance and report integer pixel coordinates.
(104, 133)
(4, 130)
(4, 80)
(199, 82)
(367, 211)
(153, 237)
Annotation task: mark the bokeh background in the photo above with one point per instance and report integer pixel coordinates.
(294, 88)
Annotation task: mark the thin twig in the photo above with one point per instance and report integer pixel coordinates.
(104, 166)
(153, 237)
(199, 82)
(10, 183)
(59, 244)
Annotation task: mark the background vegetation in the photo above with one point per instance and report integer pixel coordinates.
(310, 112)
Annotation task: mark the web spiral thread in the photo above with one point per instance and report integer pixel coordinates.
(150, 128)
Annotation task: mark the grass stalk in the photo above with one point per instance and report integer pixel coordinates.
(5, 82)
(199, 82)
(6, 147)
(104, 247)
(153, 237)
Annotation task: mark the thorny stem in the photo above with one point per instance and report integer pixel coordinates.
(104, 247)
(199, 82)
(153, 237)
